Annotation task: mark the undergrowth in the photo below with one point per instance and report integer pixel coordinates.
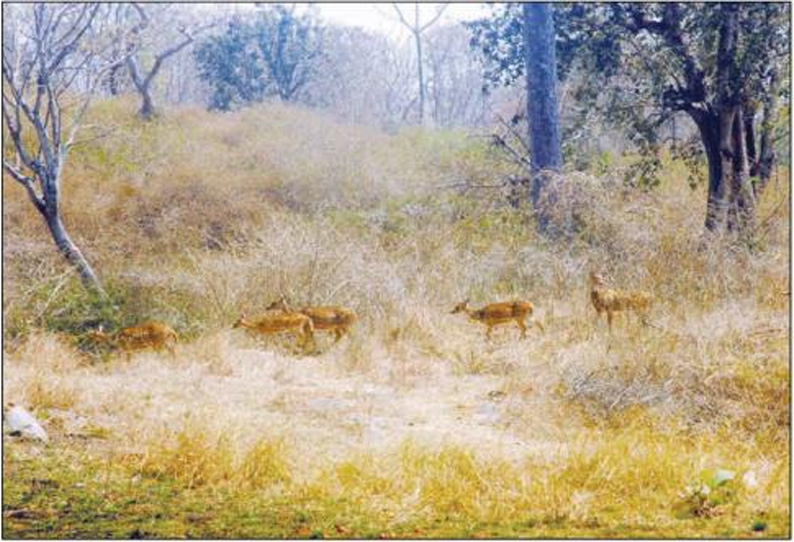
(198, 217)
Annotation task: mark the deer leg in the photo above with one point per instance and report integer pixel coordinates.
(338, 333)
(488, 333)
(643, 316)
(610, 316)
(308, 338)
(300, 336)
(522, 327)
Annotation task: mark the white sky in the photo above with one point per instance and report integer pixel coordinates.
(377, 17)
(381, 17)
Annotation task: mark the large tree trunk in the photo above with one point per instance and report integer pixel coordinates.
(730, 200)
(709, 129)
(70, 251)
(541, 69)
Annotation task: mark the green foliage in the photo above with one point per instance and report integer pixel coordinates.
(704, 497)
(691, 154)
(633, 73)
(275, 54)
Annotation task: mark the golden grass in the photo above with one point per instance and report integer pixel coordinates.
(413, 425)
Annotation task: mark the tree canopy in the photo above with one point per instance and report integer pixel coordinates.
(643, 63)
(275, 54)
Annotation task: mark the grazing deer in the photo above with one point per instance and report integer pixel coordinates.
(611, 301)
(270, 324)
(336, 319)
(499, 313)
(154, 335)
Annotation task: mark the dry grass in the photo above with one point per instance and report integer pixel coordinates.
(414, 424)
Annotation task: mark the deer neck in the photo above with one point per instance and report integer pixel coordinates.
(245, 324)
(473, 314)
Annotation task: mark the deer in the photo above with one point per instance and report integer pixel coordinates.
(154, 335)
(270, 324)
(495, 314)
(611, 301)
(329, 318)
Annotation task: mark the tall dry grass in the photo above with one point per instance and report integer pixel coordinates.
(200, 216)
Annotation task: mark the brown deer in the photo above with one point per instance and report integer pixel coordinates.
(270, 324)
(330, 318)
(154, 335)
(496, 314)
(611, 301)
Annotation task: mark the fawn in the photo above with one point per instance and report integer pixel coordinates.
(611, 301)
(269, 324)
(496, 314)
(331, 318)
(155, 335)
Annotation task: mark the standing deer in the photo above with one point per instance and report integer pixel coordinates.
(496, 314)
(270, 324)
(330, 318)
(612, 301)
(154, 335)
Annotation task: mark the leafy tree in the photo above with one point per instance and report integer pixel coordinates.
(720, 64)
(276, 54)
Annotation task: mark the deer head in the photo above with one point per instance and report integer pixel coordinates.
(461, 307)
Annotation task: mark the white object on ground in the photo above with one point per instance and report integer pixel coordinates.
(19, 420)
(750, 480)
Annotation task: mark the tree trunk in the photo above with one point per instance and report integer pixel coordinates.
(147, 111)
(748, 119)
(143, 86)
(541, 69)
(730, 200)
(70, 251)
(708, 127)
(113, 80)
(722, 130)
(741, 210)
(766, 156)
(421, 76)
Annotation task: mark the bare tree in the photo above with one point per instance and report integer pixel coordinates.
(417, 29)
(40, 73)
(143, 80)
(455, 79)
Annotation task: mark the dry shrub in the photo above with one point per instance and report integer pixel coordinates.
(212, 350)
(195, 458)
(47, 352)
(41, 373)
(265, 464)
(192, 457)
(49, 391)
